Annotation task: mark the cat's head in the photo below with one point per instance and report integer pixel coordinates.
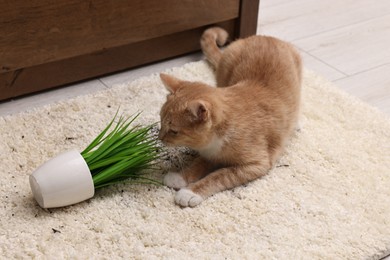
(187, 115)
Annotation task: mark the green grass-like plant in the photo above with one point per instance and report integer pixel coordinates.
(122, 154)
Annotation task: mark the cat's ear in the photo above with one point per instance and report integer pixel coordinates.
(199, 109)
(171, 83)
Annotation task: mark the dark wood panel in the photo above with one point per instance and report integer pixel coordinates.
(46, 43)
(49, 75)
(249, 10)
(34, 32)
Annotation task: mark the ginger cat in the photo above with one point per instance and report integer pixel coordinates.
(239, 128)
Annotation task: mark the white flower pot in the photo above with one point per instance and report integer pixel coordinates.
(62, 181)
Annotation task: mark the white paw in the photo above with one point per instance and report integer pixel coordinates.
(185, 198)
(174, 180)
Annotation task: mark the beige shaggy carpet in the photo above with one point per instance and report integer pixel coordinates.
(329, 197)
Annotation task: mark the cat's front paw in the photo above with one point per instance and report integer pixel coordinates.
(187, 198)
(174, 180)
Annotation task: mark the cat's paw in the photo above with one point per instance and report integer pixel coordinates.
(187, 198)
(174, 180)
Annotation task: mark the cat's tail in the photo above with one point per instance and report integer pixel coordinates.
(209, 40)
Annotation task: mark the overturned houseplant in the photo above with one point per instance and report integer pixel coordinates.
(121, 154)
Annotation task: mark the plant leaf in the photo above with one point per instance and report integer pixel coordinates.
(122, 154)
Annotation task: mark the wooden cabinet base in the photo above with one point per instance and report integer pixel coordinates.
(22, 74)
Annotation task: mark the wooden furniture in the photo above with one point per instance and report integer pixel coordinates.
(46, 44)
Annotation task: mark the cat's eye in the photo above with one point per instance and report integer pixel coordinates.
(172, 132)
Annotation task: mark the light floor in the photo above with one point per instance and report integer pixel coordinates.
(346, 41)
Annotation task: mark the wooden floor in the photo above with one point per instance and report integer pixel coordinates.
(346, 41)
